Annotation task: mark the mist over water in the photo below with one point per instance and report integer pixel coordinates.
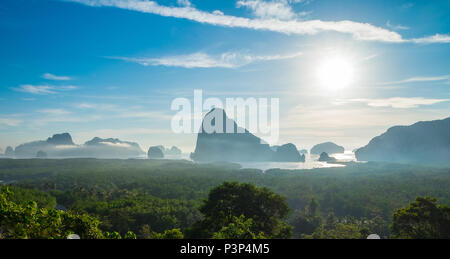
(310, 163)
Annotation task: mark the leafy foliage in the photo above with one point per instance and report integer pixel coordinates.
(230, 200)
(339, 231)
(423, 219)
(149, 197)
(170, 234)
(239, 228)
(308, 221)
(21, 196)
(30, 222)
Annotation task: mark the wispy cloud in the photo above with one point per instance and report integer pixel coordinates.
(56, 78)
(438, 38)
(11, 122)
(134, 112)
(273, 9)
(203, 60)
(64, 118)
(122, 133)
(86, 106)
(360, 31)
(184, 2)
(43, 89)
(54, 111)
(35, 89)
(396, 27)
(28, 99)
(396, 102)
(419, 79)
(407, 5)
(146, 115)
(308, 125)
(278, 9)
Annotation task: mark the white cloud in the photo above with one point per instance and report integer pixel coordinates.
(64, 118)
(145, 115)
(419, 79)
(438, 38)
(184, 3)
(67, 87)
(103, 107)
(56, 78)
(10, 122)
(54, 111)
(407, 5)
(32, 89)
(135, 112)
(28, 99)
(202, 60)
(278, 9)
(43, 89)
(116, 144)
(86, 106)
(218, 12)
(66, 147)
(396, 27)
(122, 133)
(307, 125)
(396, 102)
(360, 31)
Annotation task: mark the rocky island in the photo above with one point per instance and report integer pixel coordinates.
(241, 146)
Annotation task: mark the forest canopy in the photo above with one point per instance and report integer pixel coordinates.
(162, 199)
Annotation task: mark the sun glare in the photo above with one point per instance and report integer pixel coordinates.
(335, 73)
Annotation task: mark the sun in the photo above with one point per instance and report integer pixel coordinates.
(335, 73)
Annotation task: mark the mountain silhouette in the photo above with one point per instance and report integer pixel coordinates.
(155, 153)
(62, 146)
(9, 152)
(229, 142)
(424, 142)
(61, 140)
(327, 147)
(324, 157)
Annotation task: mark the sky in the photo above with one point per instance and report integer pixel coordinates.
(111, 68)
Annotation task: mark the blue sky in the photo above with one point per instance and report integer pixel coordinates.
(111, 68)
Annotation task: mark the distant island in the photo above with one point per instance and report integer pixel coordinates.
(155, 153)
(62, 146)
(423, 142)
(327, 147)
(303, 151)
(238, 147)
(9, 152)
(173, 151)
(324, 157)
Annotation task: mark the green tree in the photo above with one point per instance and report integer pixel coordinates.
(28, 221)
(339, 231)
(22, 196)
(112, 235)
(130, 235)
(330, 221)
(239, 228)
(145, 232)
(169, 234)
(230, 200)
(423, 219)
(312, 210)
(307, 221)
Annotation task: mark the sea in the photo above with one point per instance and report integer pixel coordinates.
(310, 163)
